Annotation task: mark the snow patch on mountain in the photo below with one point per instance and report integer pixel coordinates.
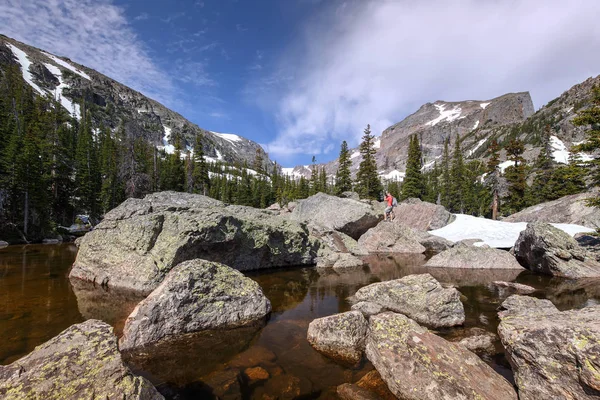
(169, 148)
(71, 107)
(377, 142)
(505, 165)
(484, 105)
(497, 234)
(355, 154)
(230, 137)
(477, 146)
(393, 175)
(67, 65)
(25, 63)
(445, 115)
(560, 152)
(476, 125)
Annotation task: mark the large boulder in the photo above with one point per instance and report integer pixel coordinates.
(554, 355)
(141, 240)
(387, 237)
(548, 250)
(472, 257)
(421, 215)
(196, 295)
(416, 364)
(420, 297)
(348, 216)
(525, 305)
(571, 209)
(81, 362)
(341, 336)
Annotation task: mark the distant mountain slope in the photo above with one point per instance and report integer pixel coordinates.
(112, 104)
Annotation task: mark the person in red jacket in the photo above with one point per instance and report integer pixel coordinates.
(389, 210)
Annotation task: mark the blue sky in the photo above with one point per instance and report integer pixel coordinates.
(300, 76)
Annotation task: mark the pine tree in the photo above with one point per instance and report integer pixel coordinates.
(413, 185)
(445, 184)
(516, 176)
(343, 180)
(200, 176)
(314, 177)
(458, 186)
(493, 171)
(368, 184)
(591, 117)
(258, 162)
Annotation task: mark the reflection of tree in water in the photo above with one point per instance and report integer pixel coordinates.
(568, 294)
(284, 288)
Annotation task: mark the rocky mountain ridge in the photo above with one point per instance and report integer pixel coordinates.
(477, 123)
(112, 104)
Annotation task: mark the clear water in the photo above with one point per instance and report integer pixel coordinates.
(37, 302)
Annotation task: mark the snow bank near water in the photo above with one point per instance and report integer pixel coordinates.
(497, 234)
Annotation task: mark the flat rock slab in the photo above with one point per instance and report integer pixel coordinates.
(341, 336)
(141, 240)
(196, 295)
(548, 250)
(471, 257)
(421, 215)
(525, 305)
(348, 216)
(420, 297)
(388, 237)
(554, 355)
(416, 364)
(81, 362)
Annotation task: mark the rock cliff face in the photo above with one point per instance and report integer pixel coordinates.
(112, 103)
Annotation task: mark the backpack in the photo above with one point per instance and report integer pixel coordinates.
(394, 202)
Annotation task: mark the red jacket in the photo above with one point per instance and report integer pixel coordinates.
(389, 200)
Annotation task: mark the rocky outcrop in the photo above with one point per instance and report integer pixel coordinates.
(417, 364)
(339, 260)
(389, 237)
(554, 355)
(525, 305)
(82, 362)
(568, 210)
(196, 295)
(474, 258)
(419, 297)
(548, 250)
(421, 215)
(348, 216)
(340, 336)
(141, 240)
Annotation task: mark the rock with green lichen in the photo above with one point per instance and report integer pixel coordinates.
(525, 305)
(340, 336)
(472, 257)
(82, 362)
(553, 354)
(349, 216)
(418, 365)
(196, 295)
(548, 250)
(420, 297)
(141, 240)
(387, 237)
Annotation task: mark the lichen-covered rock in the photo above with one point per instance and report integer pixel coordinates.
(416, 364)
(434, 243)
(349, 216)
(548, 250)
(340, 336)
(196, 295)
(554, 355)
(368, 308)
(474, 258)
(339, 260)
(141, 240)
(81, 362)
(422, 216)
(477, 340)
(525, 305)
(420, 297)
(389, 237)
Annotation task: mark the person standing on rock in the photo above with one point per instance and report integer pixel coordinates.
(389, 210)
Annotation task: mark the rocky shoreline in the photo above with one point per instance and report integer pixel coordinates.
(182, 254)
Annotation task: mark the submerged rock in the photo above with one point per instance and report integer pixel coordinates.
(417, 364)
(141, 240)
(548, 250)
(196, 295)
(474, 258)
(507, 288)
(420, 297)
(421, 215)
(340, 336)
(389, 237)
(349, 216)
(525, 305)
(554, 355)
(83, 362)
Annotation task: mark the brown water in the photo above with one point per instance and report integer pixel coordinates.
(37, 302)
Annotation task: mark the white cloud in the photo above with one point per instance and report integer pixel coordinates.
(93, 33)
(377, 61)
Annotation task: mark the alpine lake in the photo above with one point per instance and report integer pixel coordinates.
(37, 302)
